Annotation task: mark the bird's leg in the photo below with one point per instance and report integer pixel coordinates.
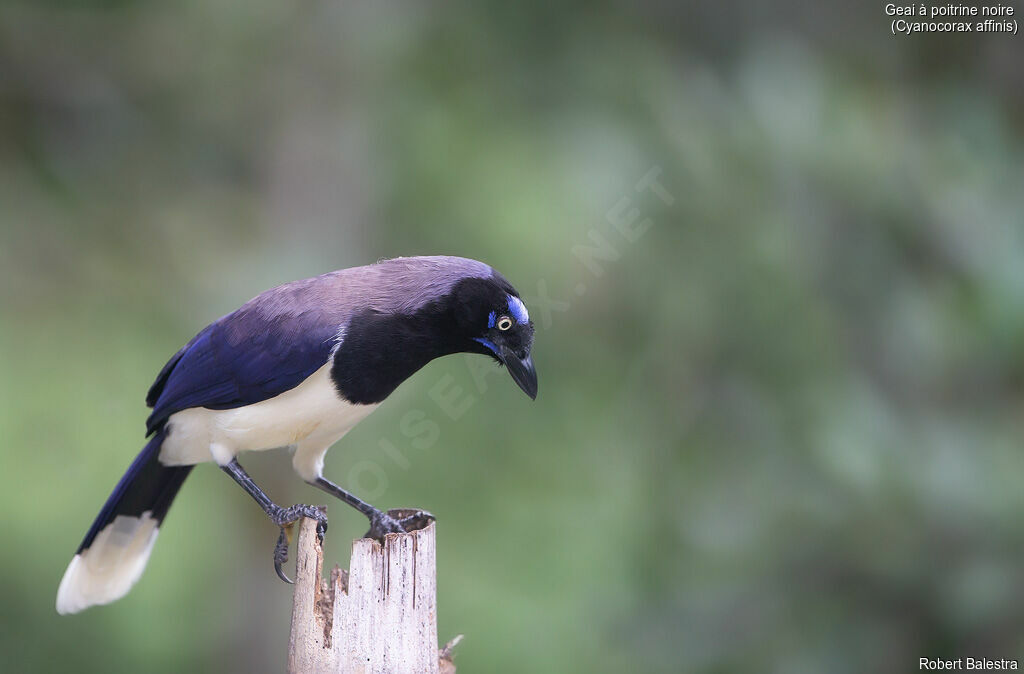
(381, 523)
(282, 517)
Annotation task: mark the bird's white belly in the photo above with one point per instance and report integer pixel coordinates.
(311, 416)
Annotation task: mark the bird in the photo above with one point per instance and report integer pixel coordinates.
(297, 367)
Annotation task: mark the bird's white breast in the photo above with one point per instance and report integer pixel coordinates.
(311, 416)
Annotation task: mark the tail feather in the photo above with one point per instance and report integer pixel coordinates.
(114, 552)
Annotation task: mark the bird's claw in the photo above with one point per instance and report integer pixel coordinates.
(286, 518)
(281, 556)
(397, 521)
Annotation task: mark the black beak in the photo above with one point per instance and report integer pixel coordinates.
(522, 371)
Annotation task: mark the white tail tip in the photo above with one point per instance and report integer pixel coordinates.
(107, 569)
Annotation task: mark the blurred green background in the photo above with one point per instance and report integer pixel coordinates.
(779, 424)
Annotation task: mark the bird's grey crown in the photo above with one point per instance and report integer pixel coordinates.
(400, 285)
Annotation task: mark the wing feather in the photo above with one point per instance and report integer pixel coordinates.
(243, 358)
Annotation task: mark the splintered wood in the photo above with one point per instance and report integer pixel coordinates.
(379, 616)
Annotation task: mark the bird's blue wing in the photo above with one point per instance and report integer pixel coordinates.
(241, 359)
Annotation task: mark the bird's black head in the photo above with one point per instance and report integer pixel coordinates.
(420, 313)
(492, 320)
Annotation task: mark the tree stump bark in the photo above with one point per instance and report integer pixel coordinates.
(379, 616)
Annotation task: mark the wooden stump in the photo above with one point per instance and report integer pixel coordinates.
(379, 616)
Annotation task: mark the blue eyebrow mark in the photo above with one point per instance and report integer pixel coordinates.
(488, 343)
(518, 309)
(491, 319)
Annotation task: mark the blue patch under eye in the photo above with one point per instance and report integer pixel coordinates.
(491, 319)
(488, 343)
(518, 309)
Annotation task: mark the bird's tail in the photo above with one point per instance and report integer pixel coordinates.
(114, 553)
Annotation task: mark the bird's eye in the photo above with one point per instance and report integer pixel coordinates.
(504, 323)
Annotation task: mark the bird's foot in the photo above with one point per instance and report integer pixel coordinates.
(286, 519)
(397, 521)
